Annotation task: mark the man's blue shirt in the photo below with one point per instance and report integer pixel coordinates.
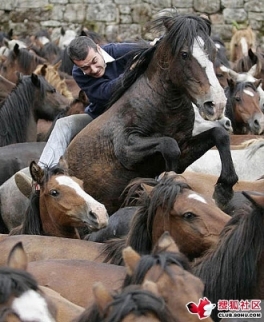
(100, 90)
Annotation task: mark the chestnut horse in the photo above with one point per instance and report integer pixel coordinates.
(193, 221)
(242, 107)
(232, 269)
(59, 205)
(149, 126)
(170, 270)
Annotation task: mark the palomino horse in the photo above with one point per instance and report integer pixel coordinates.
(242, 107)
(174, 207)
(33, 98)
(59, 205)
(152, 132)
(234, 270)
(241, 41)
(51, 73)
(171, 272)
(21, 298)
(20, 60)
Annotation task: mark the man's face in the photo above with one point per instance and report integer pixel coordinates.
(94, 64)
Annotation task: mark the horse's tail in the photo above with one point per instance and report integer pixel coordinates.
(112, 250)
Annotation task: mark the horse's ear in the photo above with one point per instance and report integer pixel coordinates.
(37, 173)
(57, 65)
(43, 70)
(253, 57)
(256, 199)
(102, 297)
(17, 257)
(234, 29)
(16, 49)
(131, 259)
(258, 82)
(231, 83)
(62, 31)
(151, 287)
(166, 243)
(35, 80)
(146, 188)
(83, 97)
(63, 164)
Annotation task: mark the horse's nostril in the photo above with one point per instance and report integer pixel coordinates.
(209, 107)
(93, 215)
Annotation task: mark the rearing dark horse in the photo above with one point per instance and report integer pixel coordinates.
(149, 127)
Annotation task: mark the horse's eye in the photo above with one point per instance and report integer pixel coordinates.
(238, 99)
(53, 90)
(219, 75)
(184, 55)
(189, 215)
(54, 193)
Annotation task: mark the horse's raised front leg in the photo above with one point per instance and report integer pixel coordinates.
(153, 155)
(201, 143)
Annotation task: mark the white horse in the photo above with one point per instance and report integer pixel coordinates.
(248, 162)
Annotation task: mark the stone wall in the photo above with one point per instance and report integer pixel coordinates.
(119, 20)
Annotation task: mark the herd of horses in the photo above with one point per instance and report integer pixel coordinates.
(129, 226)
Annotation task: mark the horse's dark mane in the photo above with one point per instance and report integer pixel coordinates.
(32, 224)
(139, 236)
(244, 64)
(230, 270)
(15, 110)
(163, 259)
(14, 282)
(15, 114)
(163, 195)
(181, 29)
(131, 300)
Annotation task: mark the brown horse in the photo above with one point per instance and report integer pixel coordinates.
(174, 207)
(21, 298)
(241, 41)
(234, 269)
(74, 278)
(20, 60)
(135, 303)
(153, 132)
(242, 107)
(59, 205)
(171, 272)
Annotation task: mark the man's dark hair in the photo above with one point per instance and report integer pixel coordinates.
(78, 48)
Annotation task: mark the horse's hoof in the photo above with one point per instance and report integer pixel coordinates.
(24, 183)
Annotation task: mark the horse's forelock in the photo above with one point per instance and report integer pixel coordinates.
(183, 29)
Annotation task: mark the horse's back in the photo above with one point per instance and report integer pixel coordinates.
(74, 279)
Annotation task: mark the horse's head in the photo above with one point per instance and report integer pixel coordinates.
(187, 53)
(241, 41)
(63, 200)
(21, 298)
